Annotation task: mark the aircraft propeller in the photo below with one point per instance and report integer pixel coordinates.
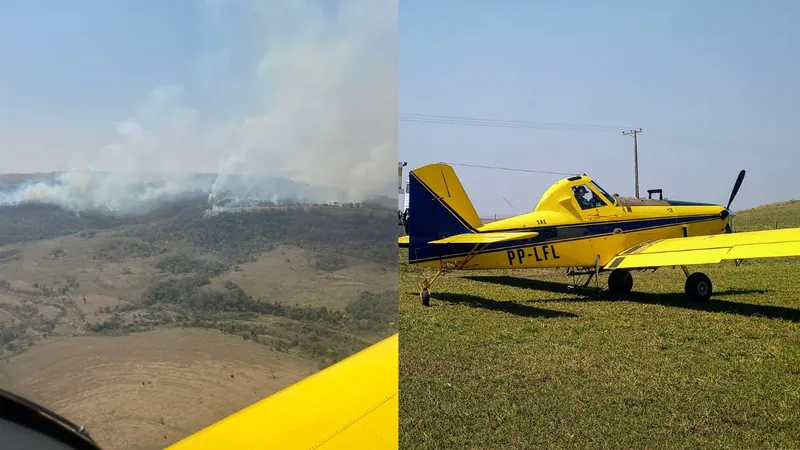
(736, 186)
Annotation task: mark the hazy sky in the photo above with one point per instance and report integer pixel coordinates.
(300, 88)
(713, 84)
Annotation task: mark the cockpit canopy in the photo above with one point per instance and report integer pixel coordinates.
(590, 195)
(578, 189)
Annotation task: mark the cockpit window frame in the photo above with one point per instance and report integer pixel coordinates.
(607, 198)
(590, 190)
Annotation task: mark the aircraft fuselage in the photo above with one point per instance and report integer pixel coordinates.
(567, 241)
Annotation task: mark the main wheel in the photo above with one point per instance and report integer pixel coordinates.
(620, 281)
(425, 296)
(698, 287)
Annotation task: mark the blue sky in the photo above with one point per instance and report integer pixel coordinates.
(97, 58)
(285, 87)
(713, 84)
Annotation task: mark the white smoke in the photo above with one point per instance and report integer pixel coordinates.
(325, 93)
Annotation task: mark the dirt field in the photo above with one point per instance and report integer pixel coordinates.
(149, 390)
(288, 274)
(78, 258)
(285, 274)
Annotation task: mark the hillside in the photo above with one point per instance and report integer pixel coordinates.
(182, 253)
(774, 215)
(307, 285)
(11, 180)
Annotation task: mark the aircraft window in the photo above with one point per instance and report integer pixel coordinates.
(586, 198)
(605, 194)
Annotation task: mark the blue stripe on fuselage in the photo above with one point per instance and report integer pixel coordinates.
(683, 203)
(422, 253)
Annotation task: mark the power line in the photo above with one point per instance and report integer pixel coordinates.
(471, 121)
(502, 123)
(511, 169)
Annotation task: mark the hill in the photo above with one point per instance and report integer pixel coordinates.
(770, 216)
(12, 180)
(95, 294)
(506, 359)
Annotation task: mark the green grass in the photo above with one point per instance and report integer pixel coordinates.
(506, 359)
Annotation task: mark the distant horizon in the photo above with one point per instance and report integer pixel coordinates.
(135, 193)
(165, 176)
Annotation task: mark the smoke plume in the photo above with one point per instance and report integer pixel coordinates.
(319, 109)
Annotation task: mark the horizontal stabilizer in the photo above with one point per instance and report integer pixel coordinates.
(711, 249)
(485, 238)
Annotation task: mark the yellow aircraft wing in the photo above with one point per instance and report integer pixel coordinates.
(486, 238)
(711, 249)
(350, 405)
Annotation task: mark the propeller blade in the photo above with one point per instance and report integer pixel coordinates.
(736, 188)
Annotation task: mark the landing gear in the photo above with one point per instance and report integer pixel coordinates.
(425, 296)
(698, 287)
(593, 273)
(620, 281)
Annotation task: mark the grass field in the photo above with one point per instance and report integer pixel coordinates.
(507, 359)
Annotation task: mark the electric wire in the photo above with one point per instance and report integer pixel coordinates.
(501, 123)
(511, 169)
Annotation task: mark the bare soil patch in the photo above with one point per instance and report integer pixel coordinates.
(149, 390)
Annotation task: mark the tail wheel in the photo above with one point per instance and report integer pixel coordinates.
(698, 287)
(425, 296)
(620, 281)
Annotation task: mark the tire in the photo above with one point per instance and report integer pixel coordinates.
(698, 287)
(425, 296)
(620, 281)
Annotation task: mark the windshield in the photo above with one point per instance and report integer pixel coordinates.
(611, 200)
(218, 234)
(586, 198)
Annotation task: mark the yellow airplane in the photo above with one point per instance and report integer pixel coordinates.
(351, 405)
(579, 226)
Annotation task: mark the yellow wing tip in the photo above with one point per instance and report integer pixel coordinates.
(709, 249)
(351, 404)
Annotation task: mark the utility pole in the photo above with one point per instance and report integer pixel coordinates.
(400, 166)
(635, 134)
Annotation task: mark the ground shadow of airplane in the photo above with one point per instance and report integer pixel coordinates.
(510, 307)
(673, 300)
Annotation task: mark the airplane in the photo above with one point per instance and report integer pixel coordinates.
(352, 404)
(579, 226)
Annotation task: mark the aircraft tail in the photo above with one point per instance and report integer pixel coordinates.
(438, 206)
